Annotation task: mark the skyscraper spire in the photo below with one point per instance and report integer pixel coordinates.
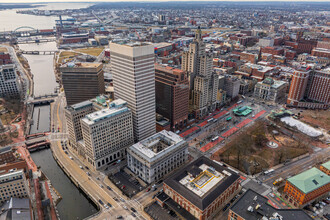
(198, 35)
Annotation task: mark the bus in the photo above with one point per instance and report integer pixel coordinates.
(215, 138)
(211, 119)
(269, 171)
(229, 118)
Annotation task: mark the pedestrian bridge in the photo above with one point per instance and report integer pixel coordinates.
(36, 52)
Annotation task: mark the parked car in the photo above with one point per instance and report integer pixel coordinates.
(101, 185)
(226, 207)
(109, 188)
(119, 217)
(71, 158)
(100, 201)
(133, 209)
(105, 206)
(148, 189)
(109, 204)
(125, 207)
(133, 214)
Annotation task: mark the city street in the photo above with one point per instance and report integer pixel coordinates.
(95, 188)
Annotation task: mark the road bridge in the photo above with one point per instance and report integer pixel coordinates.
(42, 99)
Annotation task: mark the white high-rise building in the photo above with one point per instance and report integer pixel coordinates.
(133, 72)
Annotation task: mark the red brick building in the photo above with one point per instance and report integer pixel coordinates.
(297, 87)
(307, 186)
(311, 86)
(201, 189)
(273, 50)
(6, 155)
(172, 95)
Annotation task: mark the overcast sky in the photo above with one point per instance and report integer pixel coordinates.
(38, 1)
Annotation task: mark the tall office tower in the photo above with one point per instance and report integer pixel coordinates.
(133, 72)
(73, 114)
(82, 81)
(298, 87)
(203, 81)
(9, 82)
(172, 95)
(107, 133)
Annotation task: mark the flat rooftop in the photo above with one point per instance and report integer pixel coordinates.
(204, 181)
(157, 145)
(201, 181)
(81, 65)
(251, 206)
(104, 114)
(81, 105)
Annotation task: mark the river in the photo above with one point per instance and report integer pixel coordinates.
(10, 20)
(74, 204)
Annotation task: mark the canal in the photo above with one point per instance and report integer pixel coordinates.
(74, 204)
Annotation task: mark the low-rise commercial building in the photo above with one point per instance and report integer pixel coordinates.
(107, 133)
(13, 184)
(200, 189)
(271, 90)
(6, 155)
(251, 206)
(157, 156)
(325, 167)
(306, 187)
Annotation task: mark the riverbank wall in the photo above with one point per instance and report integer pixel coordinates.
(75, 182)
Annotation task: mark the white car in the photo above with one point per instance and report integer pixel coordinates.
(71, 158)
(105, 206)
(125, 207)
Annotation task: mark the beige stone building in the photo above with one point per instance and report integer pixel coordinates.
(107, 133)
(157, 156)
(13, 184)
(203, 82)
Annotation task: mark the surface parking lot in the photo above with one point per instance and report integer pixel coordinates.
(126, 183)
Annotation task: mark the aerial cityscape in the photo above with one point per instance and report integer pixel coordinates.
(169, 110)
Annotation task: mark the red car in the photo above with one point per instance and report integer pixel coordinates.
(148, 189)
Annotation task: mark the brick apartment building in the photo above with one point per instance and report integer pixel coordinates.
(200, 189)
(172, 95)
(306, 187)
(309, 89)
(273, 50)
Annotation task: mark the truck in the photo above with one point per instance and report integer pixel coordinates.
(278, 181)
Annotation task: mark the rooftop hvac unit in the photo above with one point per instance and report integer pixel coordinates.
(250, 209)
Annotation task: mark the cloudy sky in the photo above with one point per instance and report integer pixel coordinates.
(38, 1)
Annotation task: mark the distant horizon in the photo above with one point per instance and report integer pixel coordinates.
(99, 1)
